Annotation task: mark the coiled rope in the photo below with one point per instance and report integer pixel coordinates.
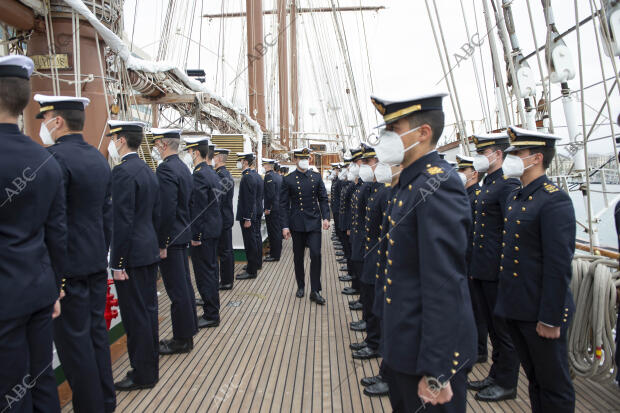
(591, 346)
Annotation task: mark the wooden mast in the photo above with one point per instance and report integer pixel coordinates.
(294, 73)
(256, 67)
(283, 73)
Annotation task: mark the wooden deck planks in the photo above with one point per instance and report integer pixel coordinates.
(274, 352)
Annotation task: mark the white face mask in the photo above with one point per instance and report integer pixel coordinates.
(383, 173)
(113, 152)
(366, 173)
(213, 163)
(303, 164)
(482, 164)
(261, 171)
(513, 166)
(342, 175)
(354, 169)
(187, 160)
(45, 134)
(155, 154)
(463, 178)
(390, 149)
(350, 177)
(239, 165)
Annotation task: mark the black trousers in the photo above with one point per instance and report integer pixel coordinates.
(204, 260)
(137, 300)
(373, 323)
(403, 393)
(545, 363)
(249, 244)
(312, 240)
(479, 316)
(227, 258)
(81, 339)
(179, 288)
(505, 367)
(259, 242)
(27, 382)
(346, 243)
(618, 348)
(274, 232)
(355, 269)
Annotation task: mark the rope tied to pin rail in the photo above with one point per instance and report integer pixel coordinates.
(591, 346)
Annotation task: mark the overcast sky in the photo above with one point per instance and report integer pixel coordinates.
(392, 54)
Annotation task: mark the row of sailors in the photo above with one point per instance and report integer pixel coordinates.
(442, 257)
(62, 210)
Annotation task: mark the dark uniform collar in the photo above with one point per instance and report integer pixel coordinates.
(199, 165)
(129, 156)
(72, 137)
(171, 157)
(416, 168)
(221, 167)
(472, 188)
(493, 176)
(9, 128)
(532, 186)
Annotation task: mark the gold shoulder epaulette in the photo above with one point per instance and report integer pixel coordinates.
(434, 170)
(550, 187)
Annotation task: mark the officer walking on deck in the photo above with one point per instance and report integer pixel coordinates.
(272, 185)
(535, 271)
(206, 229)
(257, 223)
(80, 333)
(33, 241)
(134, 253)
(174, 235)
(489, 219)
(224, 247)
(247, 201)
(305, 210)
(426, 348)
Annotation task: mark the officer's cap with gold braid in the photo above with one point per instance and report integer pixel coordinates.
(221, 151)
(16, 66)
(196, 141)
(347, 162)
(49, 103)
(356, 154)
(248, 156)
(267, 161)
(484, 140)
(463, 161)
(526, 139)
(335, 165)
(301, 153)
(117, 127)
(368, 152)
(393, 110)
(158, 133)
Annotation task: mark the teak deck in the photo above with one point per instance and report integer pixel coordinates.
(274, 352)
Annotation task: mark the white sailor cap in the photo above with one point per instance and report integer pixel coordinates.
(487, 139)
(526, 139)
(245, 155)
(49, 103)
(194, 141)
(159, 133)
(16, 66)
(393, 110)
(463, 161)
(301, 152)
(269, 161)
(120, 126)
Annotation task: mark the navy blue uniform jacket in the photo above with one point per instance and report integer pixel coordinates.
(247, 198)
(204, 205)
(175, 191)
(303, 200)
(226, 197)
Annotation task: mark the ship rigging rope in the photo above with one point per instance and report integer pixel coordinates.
(591, 346)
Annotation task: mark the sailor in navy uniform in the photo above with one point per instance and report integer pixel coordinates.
(425, 347)
(256, 225)
(304, 204)
(471, 179)
(370, 213)
(33, 241)
(206, 228)
(489, 218)
(134, 253)
(359, 199)
(272, 185)
(535, 271)
(174, 235)
(346, 207)
(247, 213)
(343, 182)
(334, 195)
(80, 333)
(224, 247)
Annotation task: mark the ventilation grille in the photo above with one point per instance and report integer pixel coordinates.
(234, 143)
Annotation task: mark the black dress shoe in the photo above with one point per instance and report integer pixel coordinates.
(316, 297)
(271, 259)
(351, 302)
(128, 384)
(175, 346)
(369, 381)
(496, 393)
(480, 384)
(346, 269)
(345, 278)
(356, 307)
(199, 301)
(365, 354)
(380, 388)
(359, 327)
(358, 346)
(482, 358)
(356, 323)
(226, 286)
(339, 253)
(341, 260)
(350, 291)
(245, 267)
(204, 323)
(245, 276)
(299, 293)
